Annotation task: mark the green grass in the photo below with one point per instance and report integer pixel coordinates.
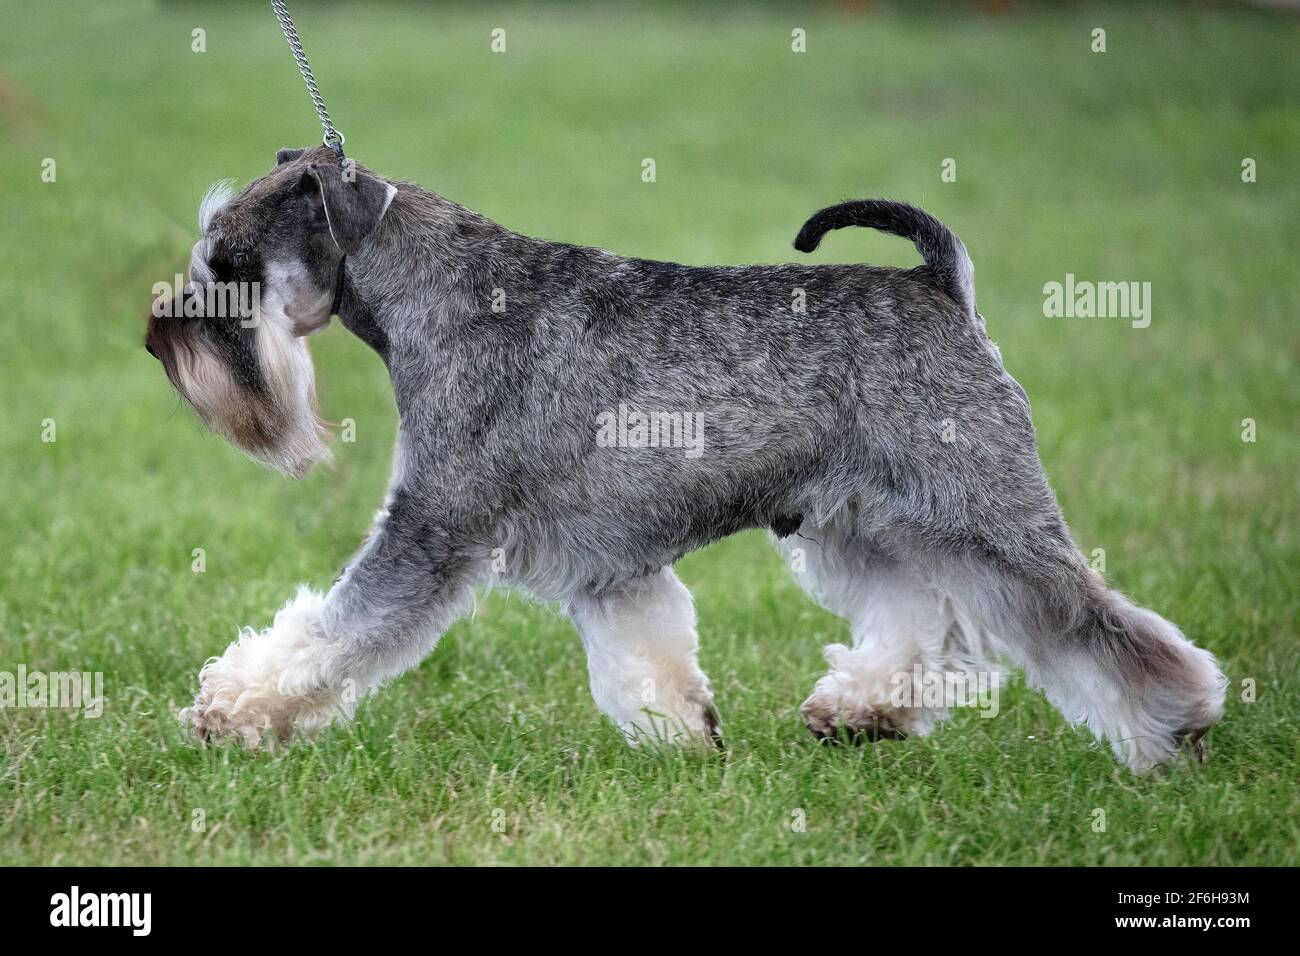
(1124, 165)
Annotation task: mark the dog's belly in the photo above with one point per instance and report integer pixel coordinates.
(594, 542)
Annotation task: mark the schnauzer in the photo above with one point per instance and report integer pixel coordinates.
(861, 414)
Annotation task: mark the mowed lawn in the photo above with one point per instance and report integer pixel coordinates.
(1116, 166)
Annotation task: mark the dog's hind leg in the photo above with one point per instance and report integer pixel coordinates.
(1125, 672)
(324, 652)
(641, 657)
(905, 639)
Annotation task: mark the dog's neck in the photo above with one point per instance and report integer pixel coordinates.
(356, 316)
(429, 235)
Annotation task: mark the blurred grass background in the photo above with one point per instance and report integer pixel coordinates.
(1117, 166)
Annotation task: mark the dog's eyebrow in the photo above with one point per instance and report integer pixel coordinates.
(214, 200)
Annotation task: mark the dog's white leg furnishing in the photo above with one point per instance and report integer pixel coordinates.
(323, 653)
(641, 654)
(898, 623)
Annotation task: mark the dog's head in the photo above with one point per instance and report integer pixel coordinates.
(262, 277)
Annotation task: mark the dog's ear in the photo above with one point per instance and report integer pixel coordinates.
(354, 201)
(287, 155)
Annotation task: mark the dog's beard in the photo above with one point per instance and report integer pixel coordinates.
(276, 425)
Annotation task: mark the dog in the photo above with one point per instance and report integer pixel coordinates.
(860, 414)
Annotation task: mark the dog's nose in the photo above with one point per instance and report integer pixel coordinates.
(149, 348)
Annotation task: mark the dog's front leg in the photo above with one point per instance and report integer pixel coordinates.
(323, 652)
(641, 657)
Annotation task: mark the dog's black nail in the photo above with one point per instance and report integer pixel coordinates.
(1193, 740)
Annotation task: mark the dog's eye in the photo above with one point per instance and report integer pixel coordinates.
(239, 259)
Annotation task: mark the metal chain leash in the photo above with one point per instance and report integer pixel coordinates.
(333, 137)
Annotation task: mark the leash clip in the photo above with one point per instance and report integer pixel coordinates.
(335, 139)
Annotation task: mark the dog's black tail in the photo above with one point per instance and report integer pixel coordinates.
(943, 252)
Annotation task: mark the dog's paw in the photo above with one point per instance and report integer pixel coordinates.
(836, 726)
(674, 718)
(273, 684)
(222, 712)
(853, 701)
(686, 725)
(214, 718)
